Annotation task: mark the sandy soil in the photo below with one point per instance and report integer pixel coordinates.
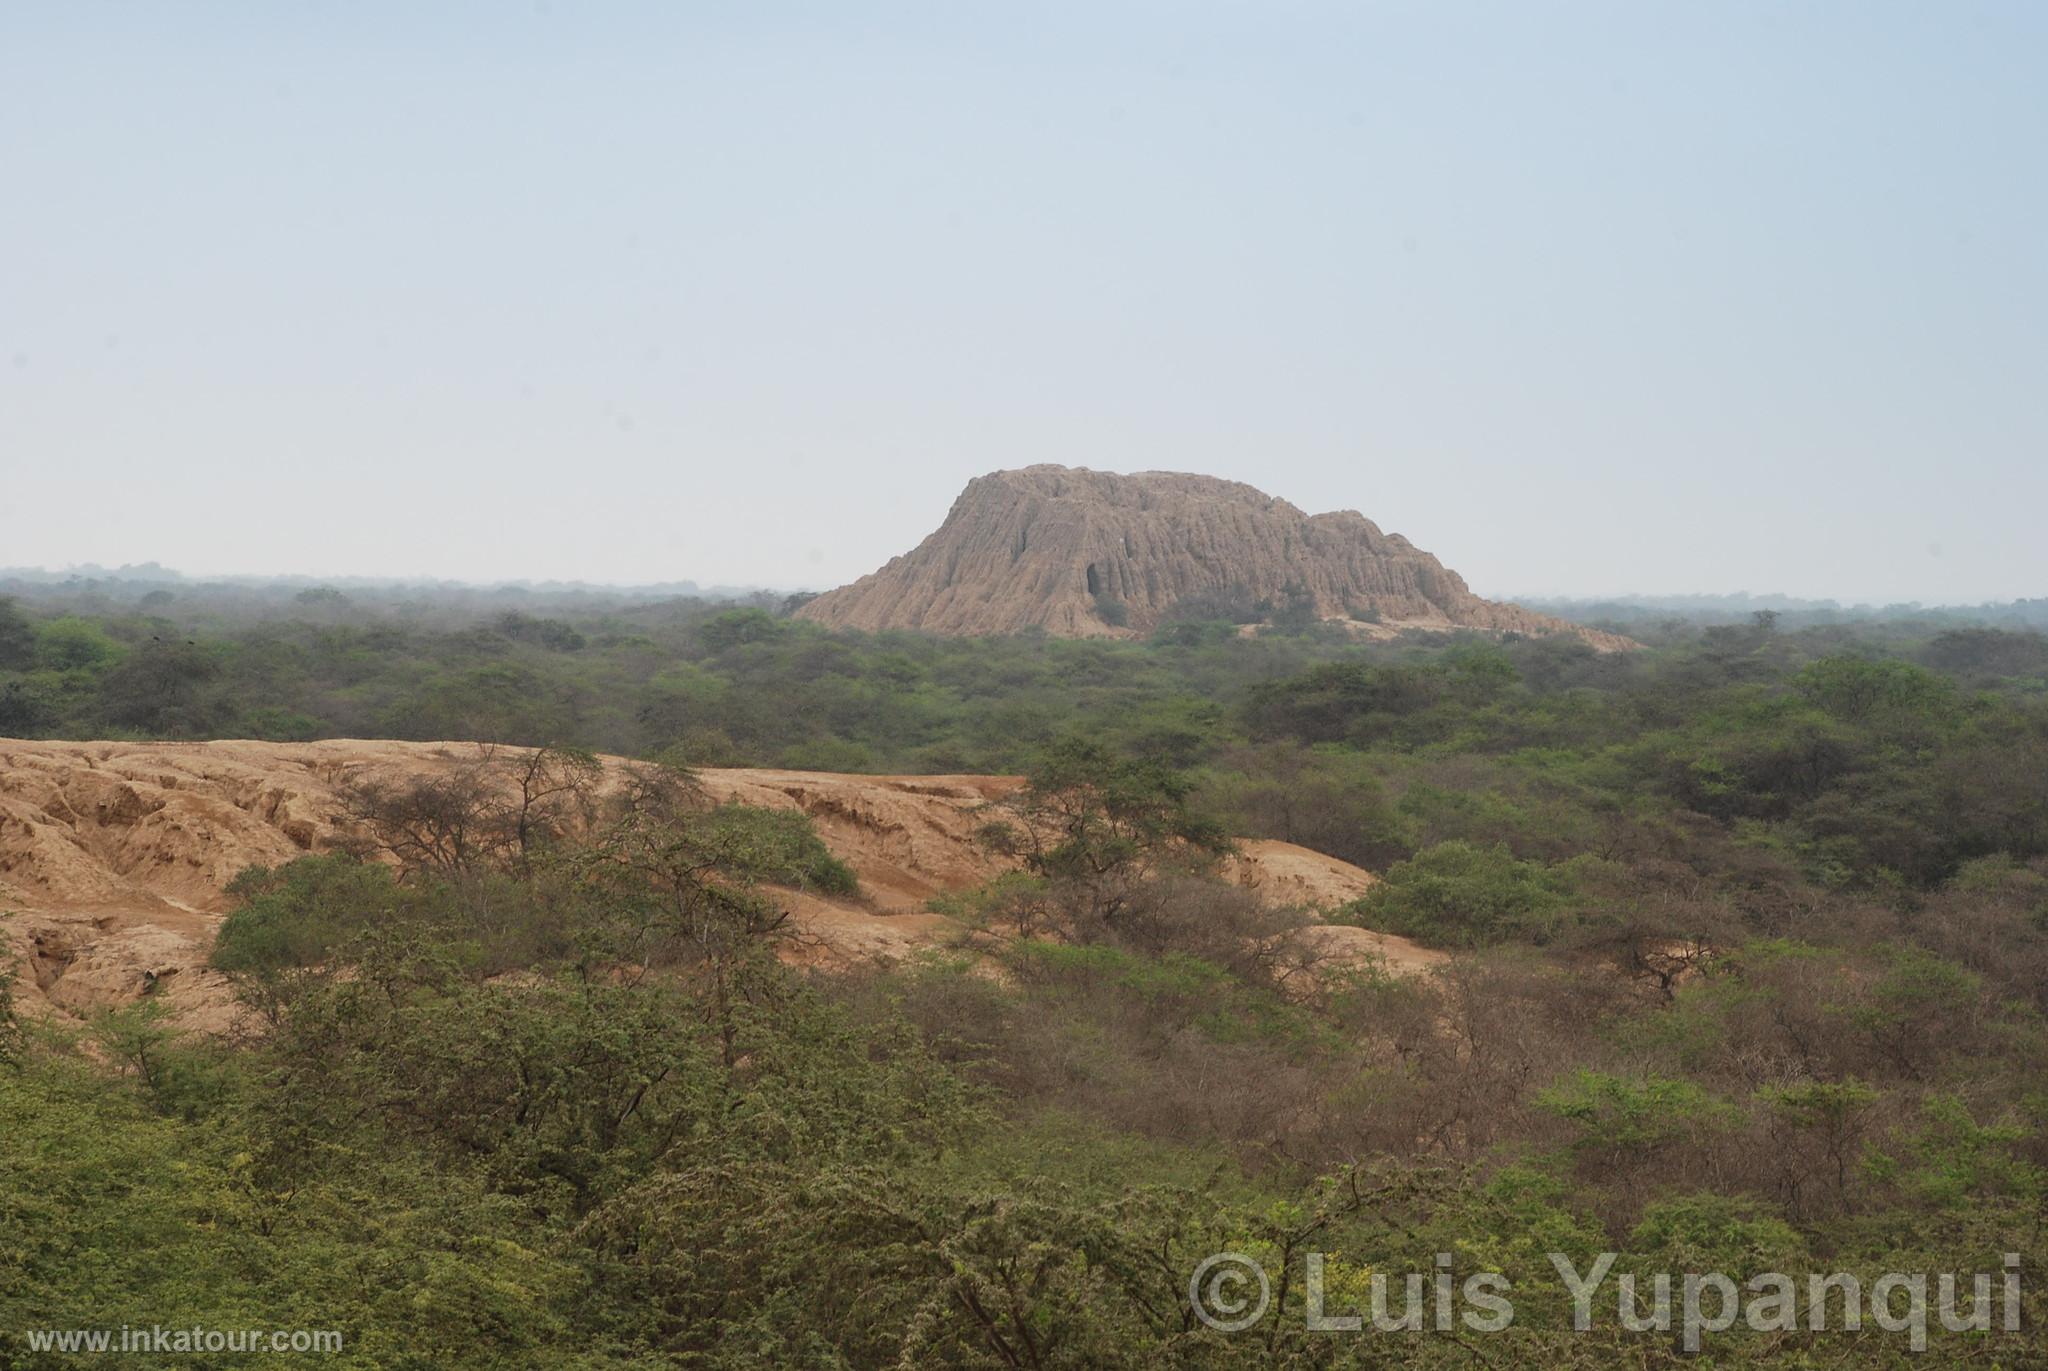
(114, 858)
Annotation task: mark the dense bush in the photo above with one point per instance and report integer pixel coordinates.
(1454, 894)
(568, 1166)
(1752, 970)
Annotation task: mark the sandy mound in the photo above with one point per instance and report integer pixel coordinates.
(1356, 949)
(114, 856)
(908, 837)
(1289, 874)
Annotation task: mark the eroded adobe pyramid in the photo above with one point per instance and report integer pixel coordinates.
(1072, 551)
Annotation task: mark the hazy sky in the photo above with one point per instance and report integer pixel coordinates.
(1580, 297)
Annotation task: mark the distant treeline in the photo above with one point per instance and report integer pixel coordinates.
(1632, 613)
(226, 601)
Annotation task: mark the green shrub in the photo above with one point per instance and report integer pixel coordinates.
(69, 643)
(1623, 1114)
(293, 916)
(1461, 895)
(1708, 1232)
(779, 846)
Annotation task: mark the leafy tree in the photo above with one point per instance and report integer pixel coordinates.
(1459, 894)
(17, 637)
(561, 1090)
(138, 1039)
(1098, 824)
(1951, 1161)
(113, 1210)
(1340, 702)
(1861, 689)
(1919, 1003)
(158, 688)
(499, 703)
(23, 709)
(738, 627)
(1322, 799)
(1819, 1128)
(70, 643)
(1709, 1232)
(555, 635)
(459, 821)
(1633, 1132)
(558, 791)
(1988, 653)
(681, 886)
(289, 921)
(1480, 672)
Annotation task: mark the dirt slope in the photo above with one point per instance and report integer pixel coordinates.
(114, 856)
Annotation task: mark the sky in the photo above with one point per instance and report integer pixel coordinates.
(1585, 298)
